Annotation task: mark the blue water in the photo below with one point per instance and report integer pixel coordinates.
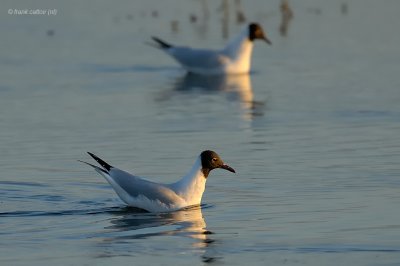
(313, 134)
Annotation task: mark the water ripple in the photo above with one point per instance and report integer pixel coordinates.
(30, 184)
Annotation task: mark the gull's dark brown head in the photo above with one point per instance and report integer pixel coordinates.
(210, 160)
(256, 32)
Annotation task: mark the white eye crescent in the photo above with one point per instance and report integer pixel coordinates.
(214, 159)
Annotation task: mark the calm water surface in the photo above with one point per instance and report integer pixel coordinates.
(313, 133)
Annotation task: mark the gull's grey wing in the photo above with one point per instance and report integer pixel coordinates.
(197, 58)
(136, 186)
(134, 190)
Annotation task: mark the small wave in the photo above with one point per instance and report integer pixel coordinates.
(368, 114)
(327, 249)
(121, 210)
(102, 68)
(64, 212)
(30, 184)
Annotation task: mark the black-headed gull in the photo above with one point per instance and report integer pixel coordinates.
(154, 197)
(235, 58)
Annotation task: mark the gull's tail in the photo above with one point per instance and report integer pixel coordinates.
(160, 43)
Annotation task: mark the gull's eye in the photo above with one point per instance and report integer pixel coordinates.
(214, 159)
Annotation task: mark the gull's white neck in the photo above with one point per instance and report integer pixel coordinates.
(239, 50)
(191, 187)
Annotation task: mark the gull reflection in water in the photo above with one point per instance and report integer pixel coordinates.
(236, 87)
(189, 221)
(133, 224)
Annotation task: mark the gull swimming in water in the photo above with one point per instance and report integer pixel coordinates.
(235, 58)
(155, 197)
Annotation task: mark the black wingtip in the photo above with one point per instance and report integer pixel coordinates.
(94, 166)
(162, 43)
(101, 162)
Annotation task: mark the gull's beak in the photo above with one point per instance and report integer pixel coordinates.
(267, 40)
(227, 167)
